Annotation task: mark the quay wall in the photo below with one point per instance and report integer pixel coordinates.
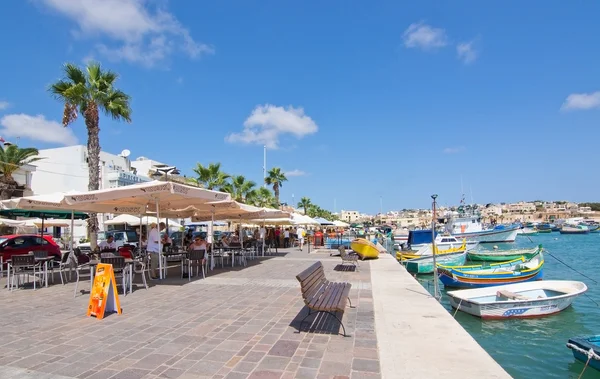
(417, 336)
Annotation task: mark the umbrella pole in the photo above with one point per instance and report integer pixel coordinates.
(263, 238)
(42, 230)
(72, 227)
(160, 265)
(140, 237)
(241, 235)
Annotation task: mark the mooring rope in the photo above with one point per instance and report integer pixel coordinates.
(457, 308)
(589, 353)
(579, 272)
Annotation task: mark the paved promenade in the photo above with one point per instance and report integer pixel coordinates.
(236, 323)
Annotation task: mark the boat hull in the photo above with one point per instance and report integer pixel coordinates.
(499, 256)
(465, 282)
(586, 343)
(490, 236)
(365, 249)
(424, 265)
(447, 245)
(543, 300)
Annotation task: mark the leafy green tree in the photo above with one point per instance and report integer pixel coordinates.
(11, 159)
(89, 92)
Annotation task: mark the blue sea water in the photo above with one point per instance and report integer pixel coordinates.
(535, 348)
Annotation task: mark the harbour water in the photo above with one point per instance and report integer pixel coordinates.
(535, 348)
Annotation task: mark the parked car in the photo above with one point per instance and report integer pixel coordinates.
(24, 243)
(122, 237)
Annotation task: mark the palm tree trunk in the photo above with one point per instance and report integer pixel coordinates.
(92, 122)
(276, 190)
(7, 187)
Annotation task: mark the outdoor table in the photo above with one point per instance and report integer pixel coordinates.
(172, 254)
(44, 261)
(232, 251)
(128, 261)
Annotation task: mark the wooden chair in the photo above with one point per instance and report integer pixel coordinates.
(348, 258)
(322, 296)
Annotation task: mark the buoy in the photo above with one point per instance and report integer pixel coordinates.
(495, 247)
(555, 238)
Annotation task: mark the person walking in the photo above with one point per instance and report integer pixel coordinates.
(286, 238)
(153, 250)
(300, 233)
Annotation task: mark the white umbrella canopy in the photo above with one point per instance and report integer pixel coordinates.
(143, 198)
(341, 224)
(13, 223)
(37, 222)
(238, 211)
(49, 201)
(300, 219)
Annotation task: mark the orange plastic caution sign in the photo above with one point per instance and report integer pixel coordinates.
(104, 297)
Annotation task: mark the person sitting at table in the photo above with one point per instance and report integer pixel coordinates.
(235, 238)
(224, 241)
(143, 242)
(108, 244)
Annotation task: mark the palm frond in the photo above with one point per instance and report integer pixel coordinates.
(74, 74)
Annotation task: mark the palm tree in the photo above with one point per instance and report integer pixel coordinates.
(305, 203)
(262, 197)
(89, 92)
(275, 178)
(210, 177)
(11, 159)
(239, 187)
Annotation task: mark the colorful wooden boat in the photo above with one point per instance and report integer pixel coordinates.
(427, 251)
(520, 300)
(527, 232)
(502, 255)
(366, 249)
(544, 231)
(584, 347)
(424, 265)
(495, 274)
(574, 229)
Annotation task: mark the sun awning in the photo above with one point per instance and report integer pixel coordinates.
(43, 213)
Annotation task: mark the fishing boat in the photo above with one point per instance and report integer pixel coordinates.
(427, 251)
(445, 241)
(494, 274)
(465, 222)
(574, 229)
(544, 231)
(527, 231)
(519, 300)
(366, 249)
(424, 265)
(545, 226)
(586, 347)
(503, 255)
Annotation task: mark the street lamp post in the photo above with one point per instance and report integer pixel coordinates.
(435, 271)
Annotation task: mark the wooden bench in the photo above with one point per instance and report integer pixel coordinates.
(348, 258)
(322, 296)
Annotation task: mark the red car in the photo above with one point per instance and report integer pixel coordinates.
(24, 243)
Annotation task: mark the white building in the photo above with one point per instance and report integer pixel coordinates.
(23, 178)
(66, 169)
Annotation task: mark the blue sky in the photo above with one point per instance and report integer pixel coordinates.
(364, 101)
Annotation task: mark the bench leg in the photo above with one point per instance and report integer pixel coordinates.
(341, 323)
(350, 301)
(310, 312)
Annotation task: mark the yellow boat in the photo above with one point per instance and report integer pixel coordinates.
(366, 249)
(402, 256)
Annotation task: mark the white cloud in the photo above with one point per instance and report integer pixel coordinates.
(4, 105)
(423, 36)
(268, 122)
(466, 52)
(138, 33)
(36, 128)
(581, 101)
(453, 150)
(295, 172)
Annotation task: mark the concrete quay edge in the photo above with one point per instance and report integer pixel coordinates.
(417, 336)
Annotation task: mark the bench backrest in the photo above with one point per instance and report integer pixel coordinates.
(311, 280)
(342, 251)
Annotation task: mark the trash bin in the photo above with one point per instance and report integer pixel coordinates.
(318, 239)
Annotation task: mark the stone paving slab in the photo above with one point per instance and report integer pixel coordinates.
(239, 322)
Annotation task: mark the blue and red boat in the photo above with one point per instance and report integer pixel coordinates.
(584, 348)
